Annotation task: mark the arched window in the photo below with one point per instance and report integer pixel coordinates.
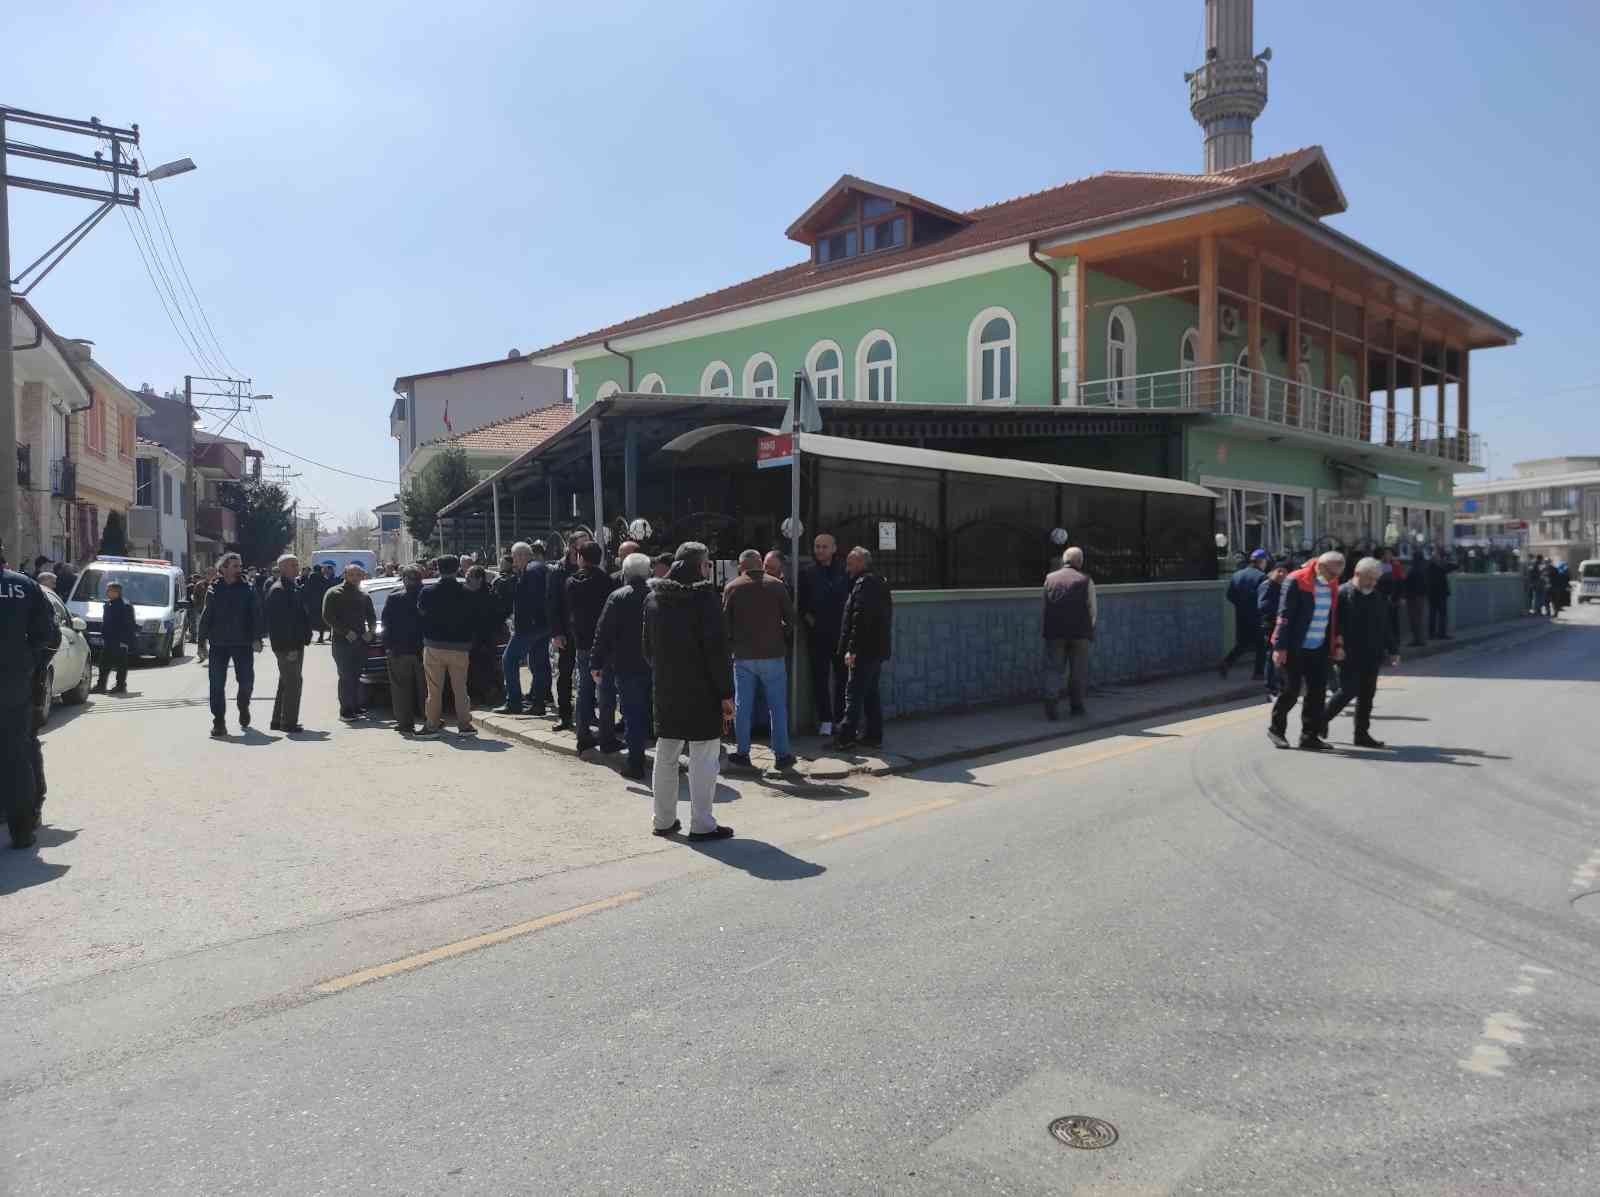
(652, 384)
(824, 365)
(1122, 354)
(606, 390)
(761, 377)
(1241, 383)
(875, 367)
(1188, 360)
(717, 379)
(992, 357)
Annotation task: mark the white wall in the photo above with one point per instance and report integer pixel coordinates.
(174, 528)
(476, 398)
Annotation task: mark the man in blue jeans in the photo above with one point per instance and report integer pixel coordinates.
(759, 617)
(530, 630)
(617, 662)
(232, 629)
(587, 591)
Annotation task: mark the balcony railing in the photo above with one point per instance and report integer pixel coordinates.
(63, 479)
(217, 523)
(1229, 390)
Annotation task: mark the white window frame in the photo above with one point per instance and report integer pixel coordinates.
(709, 373)
(1302, 377)
(607, 389)
(649, 382)
(1191, 336)
(865, 369)
(975, 349)
(749, 387)
(1227, 488)
(836, 376)
(1120, 383)
(1345, 421)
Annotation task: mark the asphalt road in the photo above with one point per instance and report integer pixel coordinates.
(1273, 972)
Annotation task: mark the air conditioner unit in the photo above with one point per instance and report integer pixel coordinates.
(1228, 321)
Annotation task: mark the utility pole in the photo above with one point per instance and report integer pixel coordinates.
(239, 393)
(119, 169)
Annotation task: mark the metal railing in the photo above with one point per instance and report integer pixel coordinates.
(1227, 78)
(63, 478)
(1229, 390)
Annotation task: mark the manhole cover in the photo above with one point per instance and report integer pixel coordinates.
(1080, 1130)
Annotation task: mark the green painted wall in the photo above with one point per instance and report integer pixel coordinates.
(929, 326)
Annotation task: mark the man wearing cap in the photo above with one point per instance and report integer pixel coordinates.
(1243, 589)
(28, 637)
(120, 637)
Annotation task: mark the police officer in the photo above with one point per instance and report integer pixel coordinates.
(28, 637)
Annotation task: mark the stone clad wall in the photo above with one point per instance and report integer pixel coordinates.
(957, 649)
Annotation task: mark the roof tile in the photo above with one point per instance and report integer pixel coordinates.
(514, 434)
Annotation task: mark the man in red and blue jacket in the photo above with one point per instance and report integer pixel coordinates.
(1305, 642)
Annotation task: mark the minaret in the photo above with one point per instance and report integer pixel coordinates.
(1228, 91)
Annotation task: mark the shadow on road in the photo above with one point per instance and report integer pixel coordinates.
(22, 869)
(763, 861)
(1421, 754)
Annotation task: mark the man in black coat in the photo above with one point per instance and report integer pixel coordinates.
(1369, 638)
(587, 591)
(28, 637)
(120, 636)
(1438, 574)
(289, 631)
(560, 632)
(231, 631)
(402, 650)
(865, 632)
(451, 621)
(1243, 589)
(316, 586)
(824, 586)
(1415, 588)
(687, 649)
(618, 661)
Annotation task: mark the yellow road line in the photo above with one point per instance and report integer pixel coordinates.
(462, 946)
(868, 824)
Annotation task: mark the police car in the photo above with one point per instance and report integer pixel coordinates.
(157, 591)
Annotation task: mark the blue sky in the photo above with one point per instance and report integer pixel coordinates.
(391, 188)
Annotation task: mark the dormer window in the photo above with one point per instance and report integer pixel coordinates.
(854, 218)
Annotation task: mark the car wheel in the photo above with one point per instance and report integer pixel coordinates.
(178, 636)
(80, 692)
(164, 652)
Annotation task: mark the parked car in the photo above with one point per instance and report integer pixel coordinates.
(1589, 581)
(156, 589)
(375, 670)
(70, 672)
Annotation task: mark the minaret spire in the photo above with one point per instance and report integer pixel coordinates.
(1228, 91)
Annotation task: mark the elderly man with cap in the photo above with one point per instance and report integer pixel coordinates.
(1305, 643)
(1243, 590)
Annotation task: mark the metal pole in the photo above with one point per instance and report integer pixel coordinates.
(188, 467)
(594, 467)
(8, 399)
(494, 488)
(794, 565)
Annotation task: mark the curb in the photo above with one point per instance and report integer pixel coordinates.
(895, 764)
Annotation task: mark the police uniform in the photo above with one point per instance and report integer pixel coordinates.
(28, 636)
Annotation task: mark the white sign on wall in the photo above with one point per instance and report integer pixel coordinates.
(888, 535)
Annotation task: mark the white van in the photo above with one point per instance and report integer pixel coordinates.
(1588, 580)
(339, 558)
(156, 589)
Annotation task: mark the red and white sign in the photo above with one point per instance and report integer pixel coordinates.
(774, 451)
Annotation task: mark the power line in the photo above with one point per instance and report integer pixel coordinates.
(211, 363)
(324, 466)
(154, 286)
(161, 213)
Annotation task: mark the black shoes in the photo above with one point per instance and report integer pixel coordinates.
(1313, 744)
(663, 832)
(586, 745)
(1363, 740)
(785, 762)
(717, 833)
(244, 716)
(740, 760)
(219, 730)
(294, 729)
(536, 708)
(1279, 740)
(274, 726)
(564, 725)
(22, 831)
(510, 708)
(635, 771)
(1052, 710)
(610, 749)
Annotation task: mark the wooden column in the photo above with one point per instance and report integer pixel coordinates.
(1258, 396)
(1463, 432)
(1389, 416)
(1210, 392)
(1444, 350)
(1297, 414)
(1363, 381)
(1416, 392)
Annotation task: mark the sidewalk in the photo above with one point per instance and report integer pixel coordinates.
(921, 742)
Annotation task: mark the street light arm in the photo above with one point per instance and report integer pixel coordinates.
(178, 166)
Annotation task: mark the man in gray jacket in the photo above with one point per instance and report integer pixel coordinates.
(1070, 612)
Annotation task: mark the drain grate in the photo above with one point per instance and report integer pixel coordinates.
(1084, 1132)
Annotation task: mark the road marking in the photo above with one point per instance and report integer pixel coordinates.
(1489, 1056)
(909, 812)
(462, 946)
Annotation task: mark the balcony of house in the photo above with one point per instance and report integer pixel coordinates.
(1281, 407)
(63, 478)
(216, 523)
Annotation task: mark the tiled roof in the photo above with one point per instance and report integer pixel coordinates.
(1050, 212)
(514, 434)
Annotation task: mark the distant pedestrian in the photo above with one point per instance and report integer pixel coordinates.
(1267, 596)
(448, 627)
(315, 590)
(1368, 639)
(587, 591)
(232, 630)
(530, 630)
(289, 630)
(1438, 575)
(865, 636)
(1416, 596)
(824, 586)
(561, 638)
(483, 658)
(1070, 614)
(119, 631)
(688, 655)
(199, 592)
(348, 612)
(1243, 588)
(1305, 643)
(402, 649)
(617, 654)
(1533, 583)
(760, 620)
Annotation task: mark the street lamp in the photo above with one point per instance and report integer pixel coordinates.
(178, 166)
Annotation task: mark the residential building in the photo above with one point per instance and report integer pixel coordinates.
(219, 462)
(1213, 326)
(389, 530)
(104, 440)
(1549, 507)
(158, 520)
(50, 387)
(444, 403)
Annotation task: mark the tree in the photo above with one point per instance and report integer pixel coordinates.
(444, 479)
(114, 536)
(266, 519)
(357, 531)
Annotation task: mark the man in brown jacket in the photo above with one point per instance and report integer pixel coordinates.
(760, 618)
(348, 612)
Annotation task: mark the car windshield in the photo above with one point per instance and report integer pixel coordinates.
(139, 588)
(1592, 569)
